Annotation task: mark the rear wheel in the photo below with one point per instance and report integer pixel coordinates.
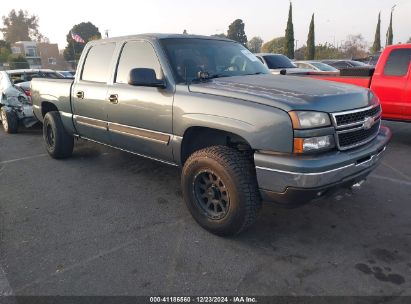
(9, 121)
(220, 190)
(59, 143)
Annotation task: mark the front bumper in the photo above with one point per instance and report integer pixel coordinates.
(291, 180)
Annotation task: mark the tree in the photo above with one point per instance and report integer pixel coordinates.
(310, 50)
(355, 46)
(254, 45)
(274, 46)
(289, 34)
(5, 51)
(88, 31)
(376, 47)
(18, 62)
(222, 35)
(327, 51)
(236, 32)
(299, 54)
(322, 51)
(390, 34)
(20, 26)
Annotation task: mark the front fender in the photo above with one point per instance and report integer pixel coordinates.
(262, 126)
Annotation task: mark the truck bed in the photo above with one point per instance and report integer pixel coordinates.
(58, 94)
(355, 80)
(359, 76)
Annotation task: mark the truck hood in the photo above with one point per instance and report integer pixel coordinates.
(288, 92)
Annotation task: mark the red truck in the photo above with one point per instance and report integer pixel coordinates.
(390, 81)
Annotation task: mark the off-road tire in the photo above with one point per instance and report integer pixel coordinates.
(59, 144)
(9, 121)
(237, 173)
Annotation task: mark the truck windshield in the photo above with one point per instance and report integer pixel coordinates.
(216, 57)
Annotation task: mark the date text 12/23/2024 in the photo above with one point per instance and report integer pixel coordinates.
(204, 299)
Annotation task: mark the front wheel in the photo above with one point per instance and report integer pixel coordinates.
(59, 143)
(9, 121)
(220, 190)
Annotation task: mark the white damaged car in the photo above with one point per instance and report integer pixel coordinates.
(15, 105)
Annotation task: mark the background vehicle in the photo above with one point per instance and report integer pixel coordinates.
(390, 81)
(22, 78)
(15, 105)
(278, 64)
(316, 66)
(66, 74)
(210, 106)
(18, 76)
(343, 64)
(370, 60)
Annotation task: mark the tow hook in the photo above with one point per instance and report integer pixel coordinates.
(357, 186)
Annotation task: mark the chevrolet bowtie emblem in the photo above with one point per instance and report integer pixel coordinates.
(368, 123)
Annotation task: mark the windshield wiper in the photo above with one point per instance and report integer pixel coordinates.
(204, 76)
(256, 73)
(218, 76)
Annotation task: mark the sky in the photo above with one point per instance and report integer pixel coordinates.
(334, 19)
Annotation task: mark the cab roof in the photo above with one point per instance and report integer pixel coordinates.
(157, 36)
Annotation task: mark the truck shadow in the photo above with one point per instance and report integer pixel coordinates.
(36, 130)
(360, 232)
(344, 215)
(344, 220)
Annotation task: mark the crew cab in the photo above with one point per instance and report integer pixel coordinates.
(208, 105)
(390, 81)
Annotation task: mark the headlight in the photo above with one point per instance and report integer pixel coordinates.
(303, 145)
(309, 119)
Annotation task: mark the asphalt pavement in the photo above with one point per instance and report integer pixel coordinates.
(105, 222)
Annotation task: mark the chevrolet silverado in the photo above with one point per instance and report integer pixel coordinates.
(208, 105)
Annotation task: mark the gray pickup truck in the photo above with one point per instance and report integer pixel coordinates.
(240, 134)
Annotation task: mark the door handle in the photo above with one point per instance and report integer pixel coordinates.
(113, 98)
(80, 94)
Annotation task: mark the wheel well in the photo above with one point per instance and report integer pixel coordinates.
(47, 107)
(197, 138)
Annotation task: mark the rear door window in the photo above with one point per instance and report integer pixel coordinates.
(398, 62)
(97, 65)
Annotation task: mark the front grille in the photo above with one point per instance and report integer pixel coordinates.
(355, 138)
(353, 127)
(349, 118)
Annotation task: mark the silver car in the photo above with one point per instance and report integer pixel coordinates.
(316, 66)
(15, 105)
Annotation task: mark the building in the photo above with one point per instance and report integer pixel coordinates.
(50, 56)
(40, 55)
(28, 49)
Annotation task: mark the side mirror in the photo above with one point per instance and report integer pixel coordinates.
(283, 72)
(145, 78)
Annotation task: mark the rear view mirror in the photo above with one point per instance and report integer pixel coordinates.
(145, 78)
